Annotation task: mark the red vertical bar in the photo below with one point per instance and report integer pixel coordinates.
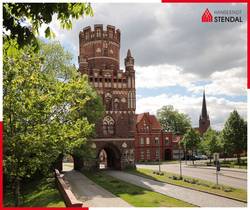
(248, 71)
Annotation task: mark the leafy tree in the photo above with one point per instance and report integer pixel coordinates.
(21, 21)
(234, 135)
(43, 115)
(211, 143)
(191, 140)
(172, 120)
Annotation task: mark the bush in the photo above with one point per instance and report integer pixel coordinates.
(216, 187)
(158, 173)
(175, 177)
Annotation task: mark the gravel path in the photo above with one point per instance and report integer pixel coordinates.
(91, 194)
(191, 196)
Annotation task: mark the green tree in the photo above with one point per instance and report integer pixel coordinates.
(234, 135)
(43, 115)
(211, 143)
(22, 21)
(172, 120)
(191, 140)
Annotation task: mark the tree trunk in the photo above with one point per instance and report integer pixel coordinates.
(193, 156)
(17, 192)
(238, 158)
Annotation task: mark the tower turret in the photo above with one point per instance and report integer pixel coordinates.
(100, 48)
(129, 62)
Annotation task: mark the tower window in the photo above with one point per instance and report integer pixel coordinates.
(111, 34)
(116, 104)
(108, 126)
(87, 36)
(98, 33)
(105, 45)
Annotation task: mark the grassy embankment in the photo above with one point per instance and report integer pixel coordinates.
(134, 195)
(38, 193)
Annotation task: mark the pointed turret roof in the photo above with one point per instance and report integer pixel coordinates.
(129, 53)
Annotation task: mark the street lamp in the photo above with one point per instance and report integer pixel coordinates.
(159, 148)
(179, 143)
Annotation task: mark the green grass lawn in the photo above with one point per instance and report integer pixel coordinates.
(190, 182)
(38, 193)
(134, 195)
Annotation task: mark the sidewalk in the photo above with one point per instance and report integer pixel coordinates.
(91, 194)
(191, 196)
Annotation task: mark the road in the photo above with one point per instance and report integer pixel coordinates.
(231, 177)
(91, 194)
(197, 198)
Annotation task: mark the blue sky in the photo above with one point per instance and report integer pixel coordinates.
(176, 56)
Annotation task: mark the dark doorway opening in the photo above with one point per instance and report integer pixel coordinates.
(109, 157)
(168, 154)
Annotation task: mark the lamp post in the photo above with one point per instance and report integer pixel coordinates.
(159, 148)
(179, 143)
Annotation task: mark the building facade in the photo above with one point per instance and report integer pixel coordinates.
(151, 142)
(99, 59)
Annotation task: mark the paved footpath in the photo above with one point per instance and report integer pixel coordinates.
(191, 196)
(91, 194)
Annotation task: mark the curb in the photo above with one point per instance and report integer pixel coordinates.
(197, 190)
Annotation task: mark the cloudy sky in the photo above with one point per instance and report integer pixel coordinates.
(177, 56)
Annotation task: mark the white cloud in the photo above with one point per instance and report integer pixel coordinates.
(162, 76)
(218, 108)
(230, 82)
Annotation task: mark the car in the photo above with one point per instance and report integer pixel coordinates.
(197, 157)
(204, 157)
(200, 157)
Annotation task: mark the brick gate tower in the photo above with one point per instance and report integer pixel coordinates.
(99, 58)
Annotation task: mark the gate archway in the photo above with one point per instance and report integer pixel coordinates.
(109, 157)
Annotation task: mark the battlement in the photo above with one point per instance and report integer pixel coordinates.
(110, 34)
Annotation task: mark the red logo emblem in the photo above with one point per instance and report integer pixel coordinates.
(207, 16)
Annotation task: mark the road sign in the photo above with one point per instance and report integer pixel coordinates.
(216, 156)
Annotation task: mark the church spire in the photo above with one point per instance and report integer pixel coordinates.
(204, 114)
(204, 122)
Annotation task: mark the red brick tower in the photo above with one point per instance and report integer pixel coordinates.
(99, 58)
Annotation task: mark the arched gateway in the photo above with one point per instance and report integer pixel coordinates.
(109, 157)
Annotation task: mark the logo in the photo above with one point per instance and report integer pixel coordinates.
(207, 16)
(222, 16)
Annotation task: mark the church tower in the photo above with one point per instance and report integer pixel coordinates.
(99, 58)
(204, 122)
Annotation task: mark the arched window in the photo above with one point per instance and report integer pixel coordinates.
(108, 126)
(116, 104)
(108, 101)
